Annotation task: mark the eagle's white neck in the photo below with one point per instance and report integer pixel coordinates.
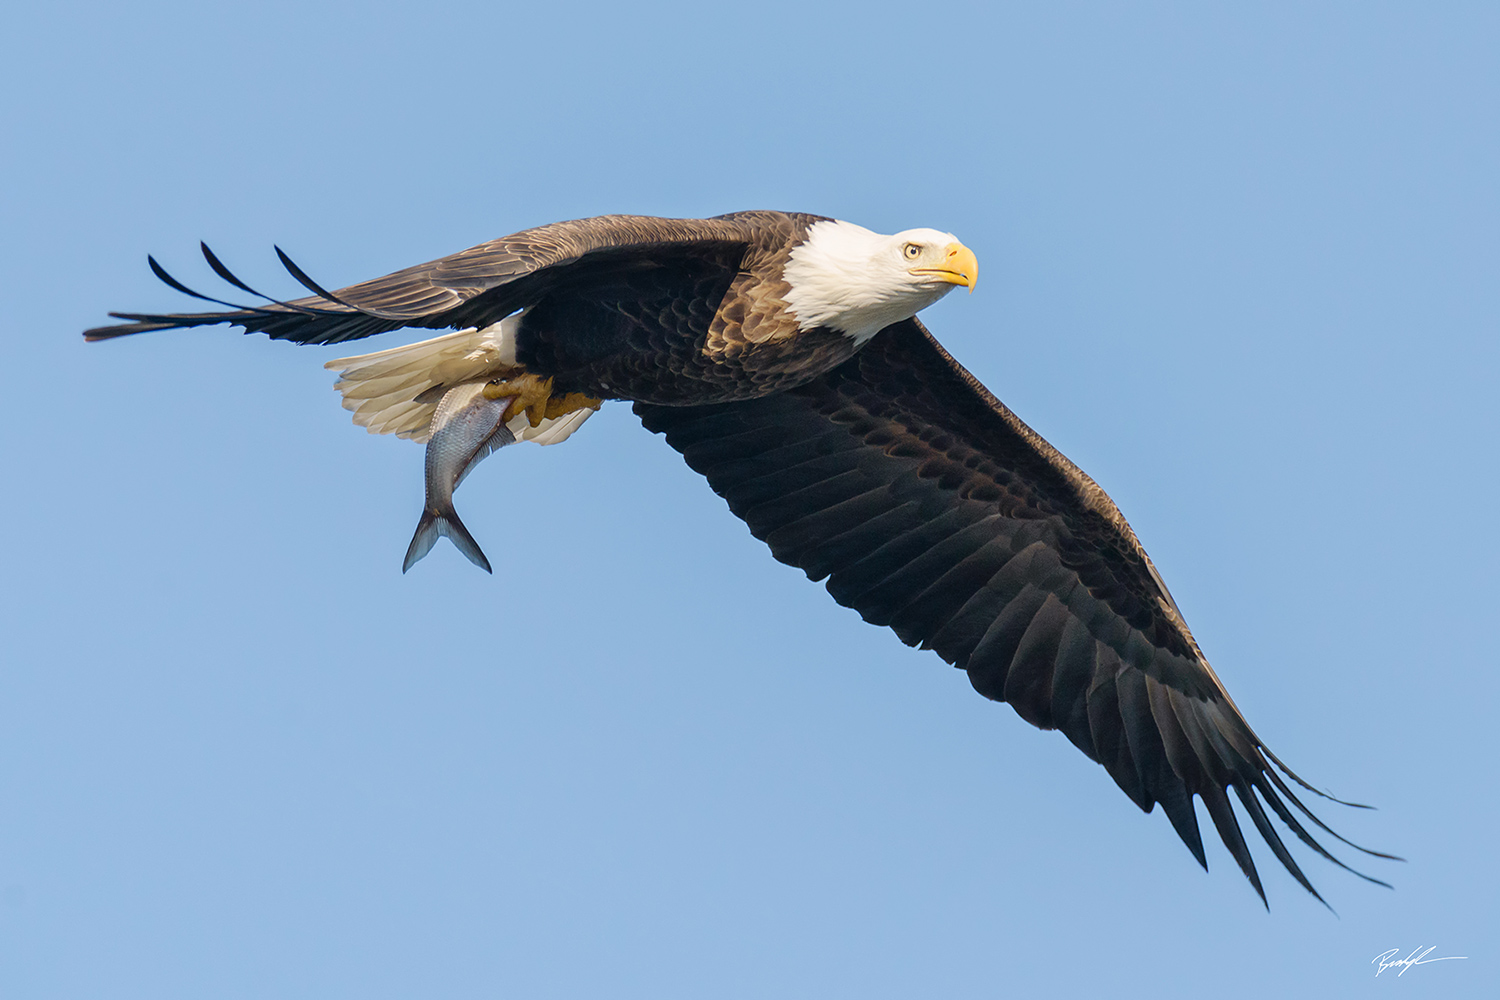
(850, 279)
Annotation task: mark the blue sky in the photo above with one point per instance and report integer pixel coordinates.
(1238, 263)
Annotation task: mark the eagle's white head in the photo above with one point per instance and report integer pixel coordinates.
(849, 279)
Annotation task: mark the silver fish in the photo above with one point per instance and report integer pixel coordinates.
(465, 429)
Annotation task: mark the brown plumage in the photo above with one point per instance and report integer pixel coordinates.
(621, 306)
(883, 468)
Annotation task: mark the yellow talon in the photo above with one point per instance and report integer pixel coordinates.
(527, 394)
(533, 396)
(559, 406)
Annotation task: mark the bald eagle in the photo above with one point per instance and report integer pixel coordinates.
(780, 354)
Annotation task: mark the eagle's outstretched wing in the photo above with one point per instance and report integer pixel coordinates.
(931, 508)
(473, 287)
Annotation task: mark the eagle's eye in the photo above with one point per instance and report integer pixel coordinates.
(912, 251)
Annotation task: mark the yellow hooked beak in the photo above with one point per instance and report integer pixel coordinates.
(959, 267)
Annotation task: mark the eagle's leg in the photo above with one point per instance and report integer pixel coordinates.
(533, 396)
(568, 402)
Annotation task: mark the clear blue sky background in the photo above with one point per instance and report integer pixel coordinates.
(1240, 263)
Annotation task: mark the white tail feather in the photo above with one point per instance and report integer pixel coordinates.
(552, 431)
(381, 388)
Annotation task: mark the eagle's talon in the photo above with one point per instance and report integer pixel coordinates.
(561, 406)
(532, 396)
(528, 394)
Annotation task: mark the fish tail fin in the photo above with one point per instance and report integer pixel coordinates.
(430, 527)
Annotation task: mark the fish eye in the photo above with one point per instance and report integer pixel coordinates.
(912, 251)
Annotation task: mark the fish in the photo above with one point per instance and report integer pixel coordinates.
(466, 428)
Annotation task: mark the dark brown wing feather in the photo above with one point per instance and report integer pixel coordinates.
(470, 288)
(931, 508)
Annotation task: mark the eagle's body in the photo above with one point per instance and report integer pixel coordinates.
(706, 321)
(780, 354)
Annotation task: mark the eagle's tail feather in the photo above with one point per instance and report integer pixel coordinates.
(383, 389)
